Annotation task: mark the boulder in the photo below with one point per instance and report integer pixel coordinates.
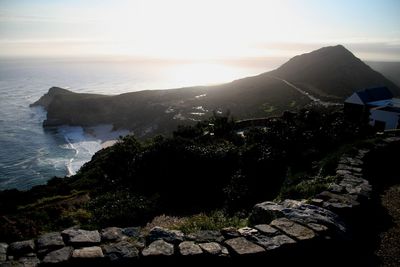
(21, 248)
(206, 236)
(211, 248)
(266, 229)
(242, 246)
(3, 252)
(112, 234)
(122, 250)
(275, 242)
(158, 248)
(81, 237)
(50, 241)
(293, 229)
(171, 236)
(88, 253)
(189, 248)
(58, 256)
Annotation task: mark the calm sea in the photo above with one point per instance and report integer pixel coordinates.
(30, 155)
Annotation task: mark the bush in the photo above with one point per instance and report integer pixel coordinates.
(120, 208)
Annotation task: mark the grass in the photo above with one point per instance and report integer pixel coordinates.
(307, 188)
(50, 200)
(215, 220)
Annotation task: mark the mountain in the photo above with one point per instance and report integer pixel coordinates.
(330, 73)
(390, 69)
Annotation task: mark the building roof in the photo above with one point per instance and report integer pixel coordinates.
(374, 94)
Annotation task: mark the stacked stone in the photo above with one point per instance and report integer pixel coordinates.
(276, 227)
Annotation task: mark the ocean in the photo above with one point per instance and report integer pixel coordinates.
(30, 155)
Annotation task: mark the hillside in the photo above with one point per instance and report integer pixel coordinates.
(331, 73)
(390, 69)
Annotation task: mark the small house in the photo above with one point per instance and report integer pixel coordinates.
(382, 109)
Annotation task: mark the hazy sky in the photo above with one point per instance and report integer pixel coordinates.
(198, 29)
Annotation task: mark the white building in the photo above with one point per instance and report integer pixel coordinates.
(384, 110)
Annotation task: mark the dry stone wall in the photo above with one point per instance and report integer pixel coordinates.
(287, 228)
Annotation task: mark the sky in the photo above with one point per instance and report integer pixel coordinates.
(198, 30)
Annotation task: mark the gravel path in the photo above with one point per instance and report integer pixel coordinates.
(388, 250)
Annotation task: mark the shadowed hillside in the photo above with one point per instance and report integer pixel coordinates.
(331, 73)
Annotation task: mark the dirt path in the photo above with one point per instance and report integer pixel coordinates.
(388, 249)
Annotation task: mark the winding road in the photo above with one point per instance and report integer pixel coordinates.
(311, 97)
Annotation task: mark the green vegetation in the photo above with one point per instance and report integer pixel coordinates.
(215, 220)
(201, 169)
(307, 188)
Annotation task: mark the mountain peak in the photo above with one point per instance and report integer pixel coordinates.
(332, 71)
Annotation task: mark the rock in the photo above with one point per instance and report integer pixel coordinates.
(224, 252)
(189, 248)
(351, 161)
(81, 237)
(11, 264)
(112, 234)
(21, 247)
(211, 248)
(3, 252)
(58, 256)
(171, 236)
(391, 139)
(319, 228)
(343, 172)
(297, 211)
(271, 243)
(88, 253)
(132, 232)
(29, 261)
(158, 248)
(230, 232)
(266, 229)
(206, 236)
(265, 212)
(242, 246)
(333, 187)
(293, 229)
(338, 201)
(348, 168)
(123, 250)
(50, 241)
(247, 231)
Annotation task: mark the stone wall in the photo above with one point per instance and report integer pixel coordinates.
(279, 230)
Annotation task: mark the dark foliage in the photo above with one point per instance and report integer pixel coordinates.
(200, 168)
